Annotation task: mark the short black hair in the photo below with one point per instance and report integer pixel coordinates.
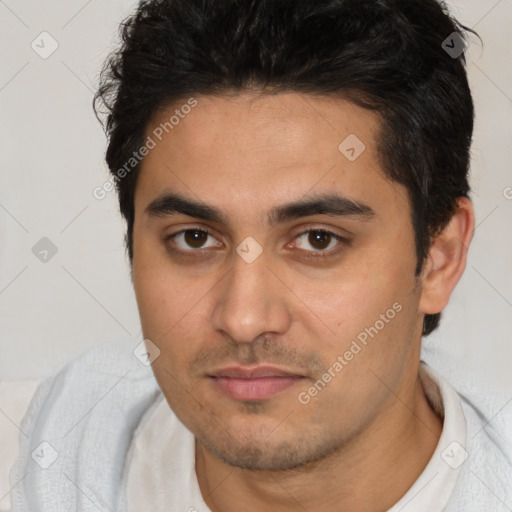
(385, 55)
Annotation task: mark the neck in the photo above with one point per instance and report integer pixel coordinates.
(399, 442)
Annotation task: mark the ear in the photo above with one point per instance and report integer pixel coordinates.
(447, 259)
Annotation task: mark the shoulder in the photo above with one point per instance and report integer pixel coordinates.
(97, 380)
(78, 428)
(485, 479)
(15, 397)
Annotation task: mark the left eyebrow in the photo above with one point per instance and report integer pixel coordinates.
(326, 204)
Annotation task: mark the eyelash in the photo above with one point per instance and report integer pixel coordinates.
(309, 255)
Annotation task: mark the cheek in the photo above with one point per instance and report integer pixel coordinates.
(164, 293)
(165, 306)
(173, 307)
(167, 302)
(350, 297)
(366, 308)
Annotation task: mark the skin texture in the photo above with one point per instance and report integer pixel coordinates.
(246, 154)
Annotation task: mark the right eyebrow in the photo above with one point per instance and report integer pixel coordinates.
(171, 204)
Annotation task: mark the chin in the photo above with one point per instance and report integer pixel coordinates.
(264, 456)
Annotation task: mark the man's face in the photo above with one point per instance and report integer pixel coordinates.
(331, 298)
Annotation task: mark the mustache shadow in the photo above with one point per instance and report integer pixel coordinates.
(264, 350)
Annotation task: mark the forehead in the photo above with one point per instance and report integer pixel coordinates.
(292, 125)
(260, 149)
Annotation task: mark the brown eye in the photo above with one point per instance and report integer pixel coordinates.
(319, 239)
(320, 243)
(195, 238)
(189, 241)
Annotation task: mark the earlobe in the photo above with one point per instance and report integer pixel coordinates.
(447, 259)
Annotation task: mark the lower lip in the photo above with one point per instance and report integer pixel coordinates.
(254, 389)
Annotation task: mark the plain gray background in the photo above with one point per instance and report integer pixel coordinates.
(52, 159)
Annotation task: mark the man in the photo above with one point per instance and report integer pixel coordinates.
(294, 179)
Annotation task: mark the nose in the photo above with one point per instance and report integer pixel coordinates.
(251, 302)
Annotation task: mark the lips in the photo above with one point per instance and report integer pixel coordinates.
(253, 384)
